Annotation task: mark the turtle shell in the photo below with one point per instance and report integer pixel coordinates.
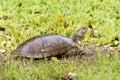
(45, 46)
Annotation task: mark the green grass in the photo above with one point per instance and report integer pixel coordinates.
(104, 69)
(23, 19)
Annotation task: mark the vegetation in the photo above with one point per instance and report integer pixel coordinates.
(23, 19)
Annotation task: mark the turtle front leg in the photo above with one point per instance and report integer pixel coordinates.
(74, 51)
(79, 50)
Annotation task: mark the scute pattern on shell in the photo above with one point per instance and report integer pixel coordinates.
(45, 46)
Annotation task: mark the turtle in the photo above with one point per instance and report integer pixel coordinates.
(43, 46)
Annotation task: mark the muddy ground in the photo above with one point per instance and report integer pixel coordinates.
(93, 51)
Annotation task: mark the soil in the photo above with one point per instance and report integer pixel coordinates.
(92, 51)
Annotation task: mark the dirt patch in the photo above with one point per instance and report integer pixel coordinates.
(92, 51)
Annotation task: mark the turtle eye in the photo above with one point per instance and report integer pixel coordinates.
(84, 27)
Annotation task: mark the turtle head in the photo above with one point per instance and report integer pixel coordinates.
(79, 34)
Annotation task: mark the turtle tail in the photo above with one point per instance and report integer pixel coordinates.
(79, 34)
